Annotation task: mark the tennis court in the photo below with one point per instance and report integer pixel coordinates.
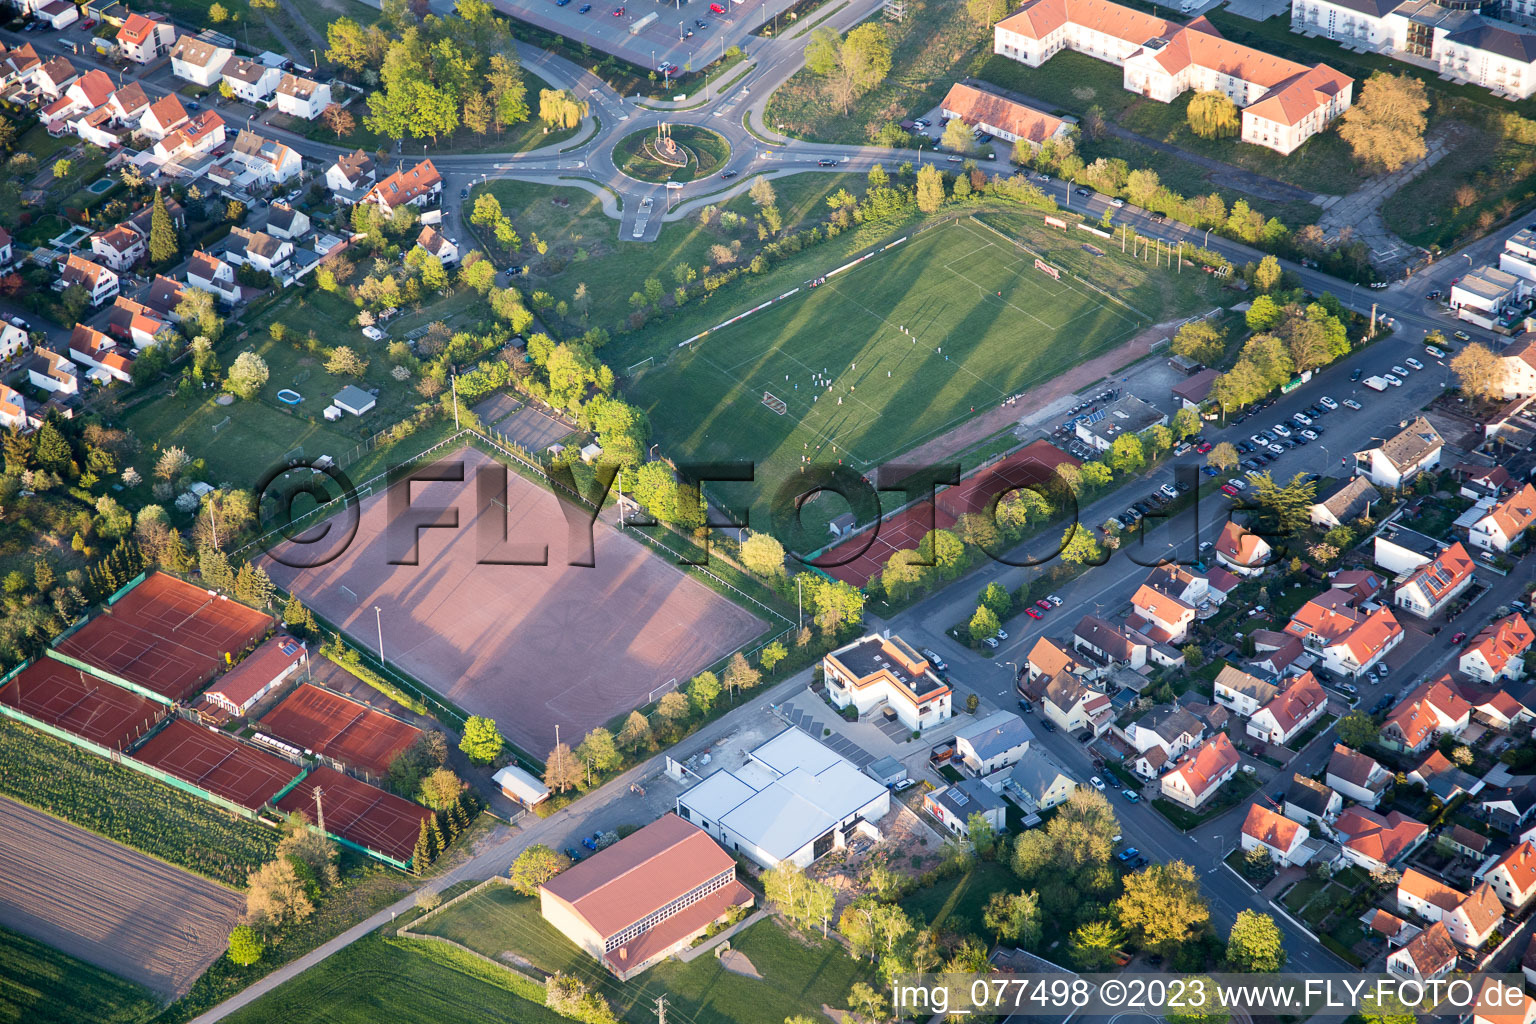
(218, 763)
(340, 728)
(360, 813)
(75, 701)
(167, 636)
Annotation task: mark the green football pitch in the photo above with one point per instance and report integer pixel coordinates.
(882, 357)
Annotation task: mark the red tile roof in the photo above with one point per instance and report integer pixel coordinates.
(260, 667)
(1241, 546)
(1430, 890)
(1297, 701)
(1381, 838)
(1516, 513)
(1270, 828)
(1432, 950)
(1205, 765)
(1520, 864)
(137, 29)
(973, 106)
(404, 186)
(1418, 715)
(1502, 641)
(1442, 575)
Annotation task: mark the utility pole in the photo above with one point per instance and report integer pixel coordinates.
(215, 526)
(319, 810)
(378, 618)
(454, 382)
(661, 1010)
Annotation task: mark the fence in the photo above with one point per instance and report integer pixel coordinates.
(101, 673)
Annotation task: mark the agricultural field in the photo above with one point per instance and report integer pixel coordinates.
(45, 986)
(127, 807)
(797, 976)
(900, 349)
(125, 912)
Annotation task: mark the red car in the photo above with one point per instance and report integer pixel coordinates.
(1458, 638)
(1033, 614)
(1229, 490)
(1204, 447)
(618, 12)
(1044, 605)
(88, 24)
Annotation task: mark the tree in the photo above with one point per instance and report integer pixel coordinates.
(1096, 944)
(984, 623)
(674, 707)
(441, 789)
(636, 734)
(1263, 314)
(930, 188)
(1266, 277)
(944, 551)
(481, 741)
(599, 749)
(703, 691)
(163, 244)
(957, 138)
(852, 65)
(996, 597)
(1199, 340)
(252, 584)
(533, 867)
(199, 314)
(245, 945)
(247, 376)
(1203, 1005)
(1213, 115)
(739, 675)
(1082, 835)
(561, 769)
(1480, 372)
(1186, 423)
(1163, 907)
(762, 194)
(1255, 944)
(275, 895)
(867, 1004)
(772, 653)
(1142, 186)
(1385, 126)
(1079, 546)
(51, 450)
(1127, 454)
(338, 119)
(560, 109)
(763, 555)
(1357, 729)
(1289, 506)
(343, 360)
(1014, 917)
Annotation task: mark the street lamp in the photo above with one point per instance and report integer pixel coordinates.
(378, 618)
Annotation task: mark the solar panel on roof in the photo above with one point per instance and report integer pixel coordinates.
(959, 798)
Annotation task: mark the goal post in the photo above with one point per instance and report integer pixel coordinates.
(775, 403)
(1046, 269)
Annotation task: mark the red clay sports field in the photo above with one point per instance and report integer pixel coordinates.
(75, 701)
(360, 813)
(218, 763)
(339, 728)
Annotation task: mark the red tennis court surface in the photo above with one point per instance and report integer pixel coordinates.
(903, 531)
(337, 727)
(356, 811)
(166, 635)
(77, 702)
(218, 763)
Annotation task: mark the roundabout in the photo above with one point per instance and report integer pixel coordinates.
(671, 152)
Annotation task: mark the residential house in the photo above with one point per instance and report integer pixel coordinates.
(1284, 103)
(1498, 651)
(90, 347)
(1358, 585)
(1519, 362)
(13, 341)
(1356, 776)
(1505, 522)
(198, 137)
(1439, 776)
(198, 61)
(1242, 551)
(1348, 641)
(1401, 551)
(1038, 783)
(100, 283)
(1389, 926)
(875, 671)
(1499, 709)
(89, 92)
(164, 116)
(252, 81)
(1311, 802)
(143, 39)
(135, 323)
(1073, 705)
(1344, 503)
(1194, 391)
(1181, 582)
(18, 65)
(1001, 117)
(1291, 712)
(284, 221)
(1125, 415)
(1513, 876)
(1242, 693)
(415, 187)
(142, 220)
(444, 249)
(954, 804)
(272, 162)
(1397, 460)
(302, 97)
(129, 104)
(1375, 841)
(1433, 709)
(993, 742)
(52, 372)
(13, 408)
(1283, 839)
(1431, 589)
(1461, 841)
(118, 247)
(53, 76)
(165, 294)
(1509, 808)
(6, 253)
(258, 674)
(645, 897)
(351, 174)
(208, 273)
(1482, 294)
(1278, 654)
(1108, 644)
(1049, 657)
(1428, 956)
(1470, 919)
(1200, 772)
(1161, 616)
(1160, 736)
(1501, 1004)
(261, 251)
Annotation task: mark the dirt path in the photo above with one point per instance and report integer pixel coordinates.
(111, 906)
(983, 425)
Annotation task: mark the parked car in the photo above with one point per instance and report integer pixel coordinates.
(1097, 783)
(1459, 637)
(1352, 404)
(1169, 491)
(1055, 601)
(1462, 336)
(1002, 634)
(1032, 613)
(1431, 296)
(1117, 203)
(1438, 353)
(1281, 430)
(934, 659)
(1128, 854)
(573, 854)
(1047, 725)
(1393, 379)
(1044, 605)
(1356, 375)
(1131, 795)
(1414, 363)
(904, 785)
(588, 842)
(990, 641)
(1327, 403)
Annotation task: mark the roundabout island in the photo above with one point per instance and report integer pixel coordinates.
(671, 152)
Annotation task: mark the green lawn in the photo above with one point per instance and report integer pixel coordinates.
(797, 978)
(703, 150)
(44, 986)
(1070, 82)
(378, 979)
(914, 342)
(258, 433)
(956, 904)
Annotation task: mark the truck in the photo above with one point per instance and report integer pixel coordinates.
(640, 23)
(1375, 383)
